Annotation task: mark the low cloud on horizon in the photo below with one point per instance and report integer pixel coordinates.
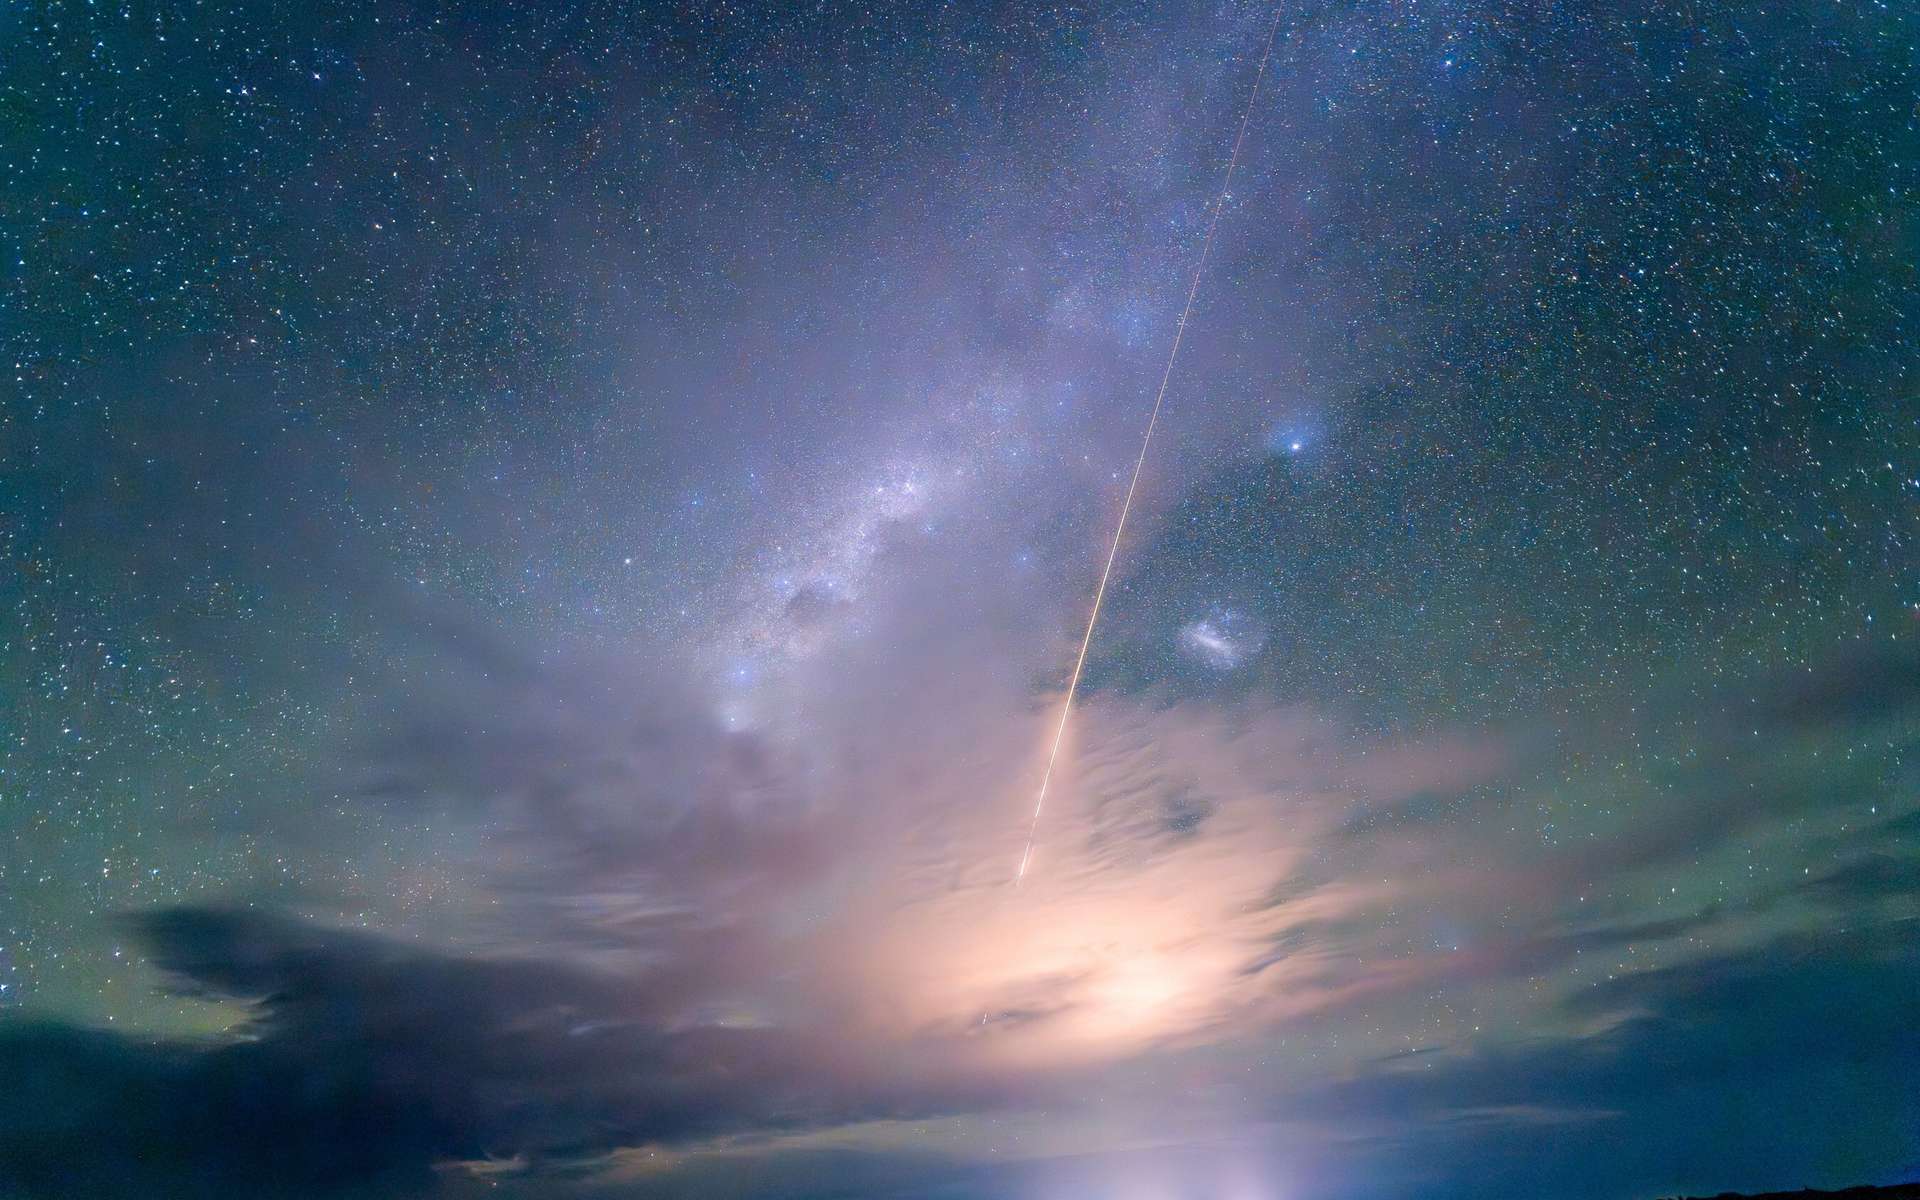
(703, 953)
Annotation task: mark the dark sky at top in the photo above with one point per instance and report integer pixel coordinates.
(542, 547)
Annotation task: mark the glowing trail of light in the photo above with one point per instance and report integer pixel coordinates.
(1153, 419)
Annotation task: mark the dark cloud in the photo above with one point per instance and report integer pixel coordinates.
(365, 1062)
(1731, 1071)
(814, 605)
(1868, 879)
(1860, 688)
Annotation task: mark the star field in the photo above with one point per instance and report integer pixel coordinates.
(542, 547)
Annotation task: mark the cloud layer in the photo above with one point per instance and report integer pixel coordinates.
(701, 936)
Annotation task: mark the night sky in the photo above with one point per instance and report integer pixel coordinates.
(542, 548)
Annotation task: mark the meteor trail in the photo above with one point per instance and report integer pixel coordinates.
(1146, 439)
